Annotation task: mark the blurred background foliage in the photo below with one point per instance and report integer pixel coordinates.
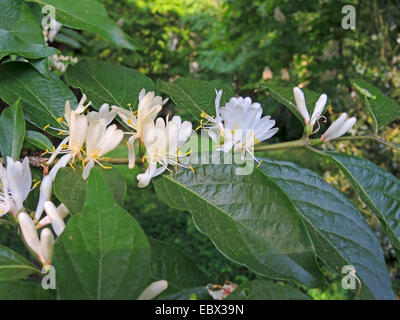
(251, 44)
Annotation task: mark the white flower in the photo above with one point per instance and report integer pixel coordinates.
(149, 106)
(104, 112)
(240, 124)
(62, 211)
(218, 292)
(77, 125)
(43, 248)
(16, 184)
(302, 107)
(55, 216)
(153, 290)
(339, 127)
(100, 140)
(44, 195)
(163, 142)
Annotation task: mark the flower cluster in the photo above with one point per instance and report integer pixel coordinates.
(238, 125)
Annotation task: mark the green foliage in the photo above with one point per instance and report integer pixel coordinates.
(90, 15)
(20, 33)
(42, 100)
(14, 267)
(12, 131)
(110, 259)
(71, 189)
(38, 140)
(108, 83)
(24, 290)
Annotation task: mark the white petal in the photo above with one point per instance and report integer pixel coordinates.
(46, 245)
(45, 195)
(334, 127)
(57, 222)
(60, 164)
(346, 126)
(29, 232)
(153, 290)
(319, 107)
(131, 153)
(87, 169)
(301, 103)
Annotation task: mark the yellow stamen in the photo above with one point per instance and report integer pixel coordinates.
(60, 119)
(60, 133)
(172, 173)
(127, 144)
(191, 168)
(83, 163)
(201, 125)
(47, 151)
(46, 127)
(256, 140)
(107, 168)
(71, 165)
(259, 164)
(203, 114)
(144, 158)
(36, 184)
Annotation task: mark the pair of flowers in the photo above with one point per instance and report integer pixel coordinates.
(16, 184)
(92, 130)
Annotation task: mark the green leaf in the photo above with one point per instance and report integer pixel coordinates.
(323, 209)
(12, 131)
(382, 109)
(195, 96)
(13, 266)
(24, 290)
(90, 15)
(172, 264)
(20, 33)
(71, 189)
(284, 95)
(41, 65)
(378, 189)
(103, 253)
(38, 139)
(105, 82)
(248, 217)
(265, 290)
(42, 100)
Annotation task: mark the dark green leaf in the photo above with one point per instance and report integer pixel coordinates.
(265, 290)
(338, 230)
(195, 96)
(248, 217)
(378, 189)
(24, 290)
(14, 267)
(90, 15)
(103, 253)
(105, 82)
(20, 33)
(70, 188)
(41, 65)
(12, 131)
(42, 100)
(172, 264)
(197, 293)
(382, 109)
(38, 139)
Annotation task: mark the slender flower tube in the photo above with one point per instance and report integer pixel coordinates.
(153, 290)
(55, 217)
(62, 211)
(302, 108)
(41, 248)
(163, 141)
(339, 127)
(100, 140)
(45, 195)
